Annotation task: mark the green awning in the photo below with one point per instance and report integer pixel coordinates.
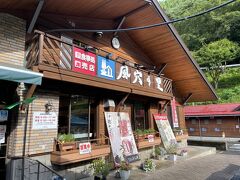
(19, 74)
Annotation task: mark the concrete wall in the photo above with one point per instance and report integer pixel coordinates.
(12, 39)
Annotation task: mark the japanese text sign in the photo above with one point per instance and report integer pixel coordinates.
(84, 62)
(43, 120)
(85, 148)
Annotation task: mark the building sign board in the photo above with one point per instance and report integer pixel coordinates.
(3, 115)
(84, 62)
(165, 130)
(174, 113)
(121, 137)
(85, 148)
(43, 120)
(2, 133)
(106, 68)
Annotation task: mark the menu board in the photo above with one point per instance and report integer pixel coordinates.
(121, 137)
(165, 129)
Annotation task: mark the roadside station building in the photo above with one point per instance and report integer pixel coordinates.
(75, 77)
(213, 122)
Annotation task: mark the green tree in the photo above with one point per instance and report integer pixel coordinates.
(222, 23)
(215, 55)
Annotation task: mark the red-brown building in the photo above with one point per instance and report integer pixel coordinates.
(213, 122)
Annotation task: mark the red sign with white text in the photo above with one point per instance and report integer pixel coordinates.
(174, 113)
(85, 148)
(84, 62)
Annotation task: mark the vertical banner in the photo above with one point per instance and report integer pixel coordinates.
(84, 62)
(121, 137)
(165, 129)
(174, 113)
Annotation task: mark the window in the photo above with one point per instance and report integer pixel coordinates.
(194, 121)
(139, 116)
(204, 129)
(191, 129)
(217, 129)
(77, 116)
(219, 121)
(206, 121)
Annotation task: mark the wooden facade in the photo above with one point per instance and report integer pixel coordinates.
(156, 53)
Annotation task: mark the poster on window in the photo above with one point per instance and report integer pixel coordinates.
(43, 120)
(84, 62)
(3, 115)
(121, 137)
(2, 133)
(165, 130)
(174, 113)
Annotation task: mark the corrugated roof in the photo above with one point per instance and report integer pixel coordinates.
(213, 110)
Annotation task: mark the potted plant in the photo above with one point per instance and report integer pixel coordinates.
(139, 135)
(100, 169)
(172, 151)
(66, 142)
(148, 165)
(124, 170)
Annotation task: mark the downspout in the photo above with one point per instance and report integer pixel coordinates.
(199, 126)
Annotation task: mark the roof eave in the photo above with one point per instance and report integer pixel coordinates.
(180, 41)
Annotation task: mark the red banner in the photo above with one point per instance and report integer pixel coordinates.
(84, 62)
(174, 113)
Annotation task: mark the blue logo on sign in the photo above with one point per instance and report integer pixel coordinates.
(106, 68)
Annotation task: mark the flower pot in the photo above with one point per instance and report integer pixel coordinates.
(124, 174)
(184, 154)
(172, 157)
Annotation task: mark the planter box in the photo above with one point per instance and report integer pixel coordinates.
(72, 156)
(67, 146)
(144, 143)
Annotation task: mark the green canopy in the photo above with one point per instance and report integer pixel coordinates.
(25, 101)
(19, 74)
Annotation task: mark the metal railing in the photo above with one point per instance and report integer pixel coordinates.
(33, 170)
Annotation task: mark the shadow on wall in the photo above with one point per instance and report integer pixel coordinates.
(231, 172)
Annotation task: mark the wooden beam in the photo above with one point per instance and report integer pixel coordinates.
(35, 16)
(119, 25)
(187, 98)
(121, 102)
(162, 68)
(164, 106)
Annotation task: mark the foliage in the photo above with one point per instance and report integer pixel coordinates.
(145, 131)
(214, 55)
(63, 138)
(222, 23)
(148, 165)
(125, 166)
(100, 167)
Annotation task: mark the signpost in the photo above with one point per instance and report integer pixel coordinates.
(165, 130)
(121, 137)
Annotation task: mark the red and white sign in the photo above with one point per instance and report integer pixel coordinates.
(174, 113)
(84, 62)
(150, 138)
(85, 148)
(165, 129)
(43, 120)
